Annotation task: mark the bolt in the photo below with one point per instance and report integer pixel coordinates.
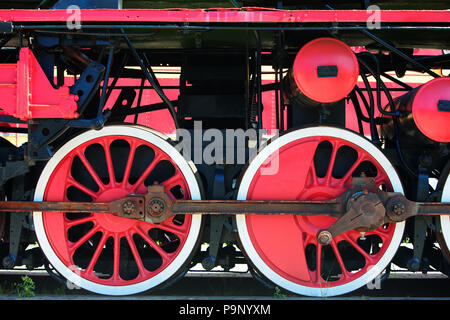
(324, 237)
(128, 207)
(208, 263)
(413, 264)
(9, 261)
(156, 207)
(398, 208)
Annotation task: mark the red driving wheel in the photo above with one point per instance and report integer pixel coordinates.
(105, 253)
(315, 163)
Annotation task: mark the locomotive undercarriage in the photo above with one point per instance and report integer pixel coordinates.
(220, 87)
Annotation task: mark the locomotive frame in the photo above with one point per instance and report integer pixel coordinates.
(59, 76)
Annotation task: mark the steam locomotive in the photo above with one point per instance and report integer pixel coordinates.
(308, 140)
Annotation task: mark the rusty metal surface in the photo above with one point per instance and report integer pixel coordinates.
(131, 207)
(28, 206)
(331, 208)
(366, 212)
(362, 207)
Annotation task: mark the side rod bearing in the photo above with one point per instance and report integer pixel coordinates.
(371, 209)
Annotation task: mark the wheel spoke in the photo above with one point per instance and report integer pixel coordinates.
(71, 223)
(129, 164)
(72, 182)
(109, 163)
(98, 250)
(357, 247)
(164, 255)
(348, 175)
(148, 170)
(169, 226)
(329, 174)
(344, 271)
(318, 263)
(384, 234)
(137, 257)
(90, 169)
(173, 181)
(116, 258)
(83, 239)
(380, 180)
(312, 170)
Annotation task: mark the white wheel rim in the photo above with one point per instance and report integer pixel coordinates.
(244, 236)
(445, 219)
(187, 170)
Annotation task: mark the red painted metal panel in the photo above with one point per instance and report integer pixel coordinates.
(26, 92)
(222, 15)
(160, 120)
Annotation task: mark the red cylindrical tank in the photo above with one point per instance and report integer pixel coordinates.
(426, 108)
(325, 71)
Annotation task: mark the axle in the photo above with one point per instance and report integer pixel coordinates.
(363, 207)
